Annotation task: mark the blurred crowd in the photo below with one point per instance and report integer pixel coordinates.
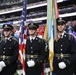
(8, 2)
(70, 26)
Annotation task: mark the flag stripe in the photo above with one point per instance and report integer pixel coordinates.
(50, 29)
(51, 26)
(22, 37)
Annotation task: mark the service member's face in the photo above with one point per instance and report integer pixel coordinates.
(7, 33)
(61, 28)
(32, 32)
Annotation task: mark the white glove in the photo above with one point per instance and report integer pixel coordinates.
(62, 65)
(30, 63)
(20, 72)
(47, 70)
(0, 68)
(2, 64)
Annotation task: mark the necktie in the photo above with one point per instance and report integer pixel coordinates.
(60, 36)
(31, 40)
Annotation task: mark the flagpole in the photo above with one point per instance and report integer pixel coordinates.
(22, 37)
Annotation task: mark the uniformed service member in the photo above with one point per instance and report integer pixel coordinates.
(35, 51)
(64, 51)
(8, 52)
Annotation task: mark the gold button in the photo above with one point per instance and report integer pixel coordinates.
(61, 49)
(3, 59)
(65, 35)
(61, 55)
(61, 45)
(31, 51)
(3, 52)
(4, 48)
(31, 47)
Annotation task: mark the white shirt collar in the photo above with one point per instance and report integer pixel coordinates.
(61, 34)
(8, 38)
(32, 38)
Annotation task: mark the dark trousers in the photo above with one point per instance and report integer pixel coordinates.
(9, 70)
(33, 70)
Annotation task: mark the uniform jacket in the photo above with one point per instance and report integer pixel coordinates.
(10, 49)
(65, 45)
(36, 47)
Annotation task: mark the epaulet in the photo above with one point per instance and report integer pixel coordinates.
(2, 38)
(14, 38)
(70, 36)
(39, 39)
(42, 39)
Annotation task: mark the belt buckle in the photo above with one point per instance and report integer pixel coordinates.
(61, 55)
(3, 56)
(32, 56)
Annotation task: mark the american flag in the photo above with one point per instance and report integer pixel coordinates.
(22, 37)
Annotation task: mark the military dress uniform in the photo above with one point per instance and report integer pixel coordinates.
(9, 54)
(64, 51)
(35, 51)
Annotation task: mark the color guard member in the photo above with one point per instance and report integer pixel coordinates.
(35, 51)
(8, 52)
(64, 51)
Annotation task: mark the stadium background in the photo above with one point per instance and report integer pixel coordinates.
(10, 12)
